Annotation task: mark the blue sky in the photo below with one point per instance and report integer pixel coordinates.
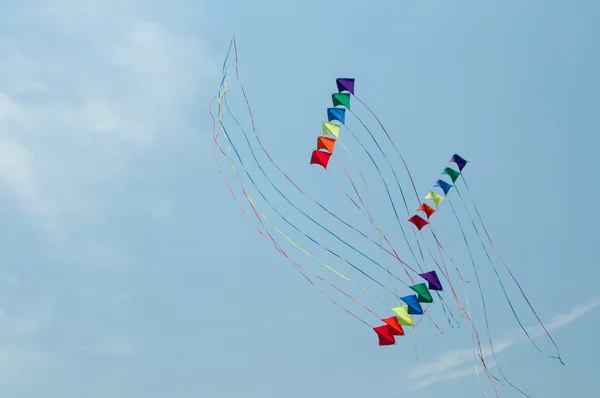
(127, 271)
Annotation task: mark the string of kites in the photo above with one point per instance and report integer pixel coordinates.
(421, 292)
(325, 146)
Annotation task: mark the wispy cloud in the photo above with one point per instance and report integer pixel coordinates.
(89, 91)
(452, 364)
(84, 86)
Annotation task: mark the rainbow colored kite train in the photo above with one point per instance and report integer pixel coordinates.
(311, 234)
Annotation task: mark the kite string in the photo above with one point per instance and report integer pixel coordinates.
(371, 220)
(370, 217)
(392, 202)
(385, 184)
(558, 356)
(394, 173)
(483, 302)
(401, 192)
(272, 240)
(406, 206)
(296, 207)
(291, 224)
(393, 144)
(287, 177)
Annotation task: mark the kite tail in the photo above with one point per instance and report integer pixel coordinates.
(371, 220)
(271, 240)
(393, 144)
(558, 356)
(326, 265)
(389, 197)
(287, 177)
(291, 203)
(447, 273)
(469, 321)
(474, 353)
(222, 127)
(439, 245)
(397, 183)
(355, 162)
(487, 325)
(395, 254)
(393, 171)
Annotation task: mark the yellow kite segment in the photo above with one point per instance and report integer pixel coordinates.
(437, 198)
(404, 318)
(331, 129)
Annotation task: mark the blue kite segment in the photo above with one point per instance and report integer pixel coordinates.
(338, 114)
(414, 307)
(444, 185)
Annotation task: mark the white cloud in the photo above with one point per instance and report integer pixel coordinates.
(113, 344)
(452, 364)
(23, 366)
(87, 88)
(85, 85)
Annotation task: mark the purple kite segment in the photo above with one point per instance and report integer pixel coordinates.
(432, 278)
(460, 162)
(345, 84)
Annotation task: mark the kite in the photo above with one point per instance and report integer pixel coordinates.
(363, 246)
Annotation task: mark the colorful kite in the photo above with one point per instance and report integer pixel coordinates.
(346, 259)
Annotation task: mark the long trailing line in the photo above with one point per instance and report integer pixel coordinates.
(294, 184)
(296, 228)
(377, 226)
(483, 301)
(270, 158)
(446, 276)
(478, 282)
(403, 162)
(482, 296)
(300, 210)
(272, 241)
(308, 237)
(412, 182)
(474, 350)
(444, 306)
(512, 276)
(267, 154)
(425, 311)
(395, 177)
(368, 215)
(386, 186)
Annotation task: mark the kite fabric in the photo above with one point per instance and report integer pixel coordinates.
(432, 278)
(460, 162)
(281, 215)
(337, 114)
(437, 198)
(404, 318)
(396, 328)
(330, 128)
(418, 221)
(345, 84)
(414, 307)
(452, 173)
(320, 158)
(423, 294)
(341, 99)
(444, 185)
(326, 143)
(385, 335)
(428, 210)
